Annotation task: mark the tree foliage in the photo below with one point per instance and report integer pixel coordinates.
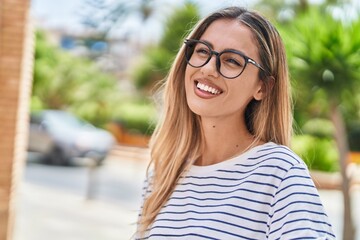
(63, 81)
(324, 58)
(286, 11)
(156, 61)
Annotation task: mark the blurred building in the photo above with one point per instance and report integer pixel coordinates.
(16, 48)
(113, 54)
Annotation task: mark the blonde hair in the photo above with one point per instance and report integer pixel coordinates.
(177, 139)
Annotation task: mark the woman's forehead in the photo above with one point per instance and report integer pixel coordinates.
(231, 33)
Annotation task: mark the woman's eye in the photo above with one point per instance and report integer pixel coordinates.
(202, 51)
(233, 61)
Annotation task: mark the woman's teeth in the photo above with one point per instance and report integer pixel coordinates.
(207, 88)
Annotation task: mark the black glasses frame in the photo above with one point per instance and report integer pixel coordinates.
(188, 42)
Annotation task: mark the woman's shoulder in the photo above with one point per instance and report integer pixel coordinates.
(275, 154)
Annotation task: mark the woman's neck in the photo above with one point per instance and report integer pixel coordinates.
(223, 140)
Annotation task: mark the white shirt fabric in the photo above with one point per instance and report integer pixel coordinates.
(265, 193)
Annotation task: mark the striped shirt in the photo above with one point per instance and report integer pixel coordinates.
(265, 193)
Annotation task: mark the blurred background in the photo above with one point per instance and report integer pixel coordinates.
(93, 107)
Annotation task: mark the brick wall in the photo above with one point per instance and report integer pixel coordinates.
(16, 50)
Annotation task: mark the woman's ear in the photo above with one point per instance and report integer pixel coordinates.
(264, 88)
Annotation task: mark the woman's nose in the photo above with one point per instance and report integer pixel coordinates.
(210, 68)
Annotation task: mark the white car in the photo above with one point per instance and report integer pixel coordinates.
(59, 137)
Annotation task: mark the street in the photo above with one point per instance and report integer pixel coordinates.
(52, 201)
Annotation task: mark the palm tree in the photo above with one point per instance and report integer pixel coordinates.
(324, 57)
(284, 10)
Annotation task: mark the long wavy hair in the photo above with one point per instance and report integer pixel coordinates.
(177, 139)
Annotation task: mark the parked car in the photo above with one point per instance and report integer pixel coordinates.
(59, 137)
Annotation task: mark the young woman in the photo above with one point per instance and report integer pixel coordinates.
(221, 168)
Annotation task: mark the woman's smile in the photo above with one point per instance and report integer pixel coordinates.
(206, 90)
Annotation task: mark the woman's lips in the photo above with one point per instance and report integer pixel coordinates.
(205, 90)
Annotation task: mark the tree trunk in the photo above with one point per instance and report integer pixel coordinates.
(303, 6)
(343, 147)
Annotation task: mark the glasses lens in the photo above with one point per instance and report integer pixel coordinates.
(197, 53)
(231, 64)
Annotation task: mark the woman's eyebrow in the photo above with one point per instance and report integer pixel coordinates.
(236, 50)
(226, 49)
(209, 43)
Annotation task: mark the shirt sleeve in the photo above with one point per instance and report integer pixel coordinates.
(297, 211)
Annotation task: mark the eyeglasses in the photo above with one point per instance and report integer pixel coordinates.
(229, 63)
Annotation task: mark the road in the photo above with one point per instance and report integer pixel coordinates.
(52, 200)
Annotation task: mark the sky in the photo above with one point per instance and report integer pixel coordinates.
(56, 13)
(64, 15)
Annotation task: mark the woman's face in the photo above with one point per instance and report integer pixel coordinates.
(209, 94)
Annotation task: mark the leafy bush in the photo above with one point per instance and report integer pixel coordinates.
(319, 127)
(137, 117)
(318, 153)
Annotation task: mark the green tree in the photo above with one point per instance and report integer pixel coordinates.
(284, 10)
(157, 60)
(324, 58)
(63, 81)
